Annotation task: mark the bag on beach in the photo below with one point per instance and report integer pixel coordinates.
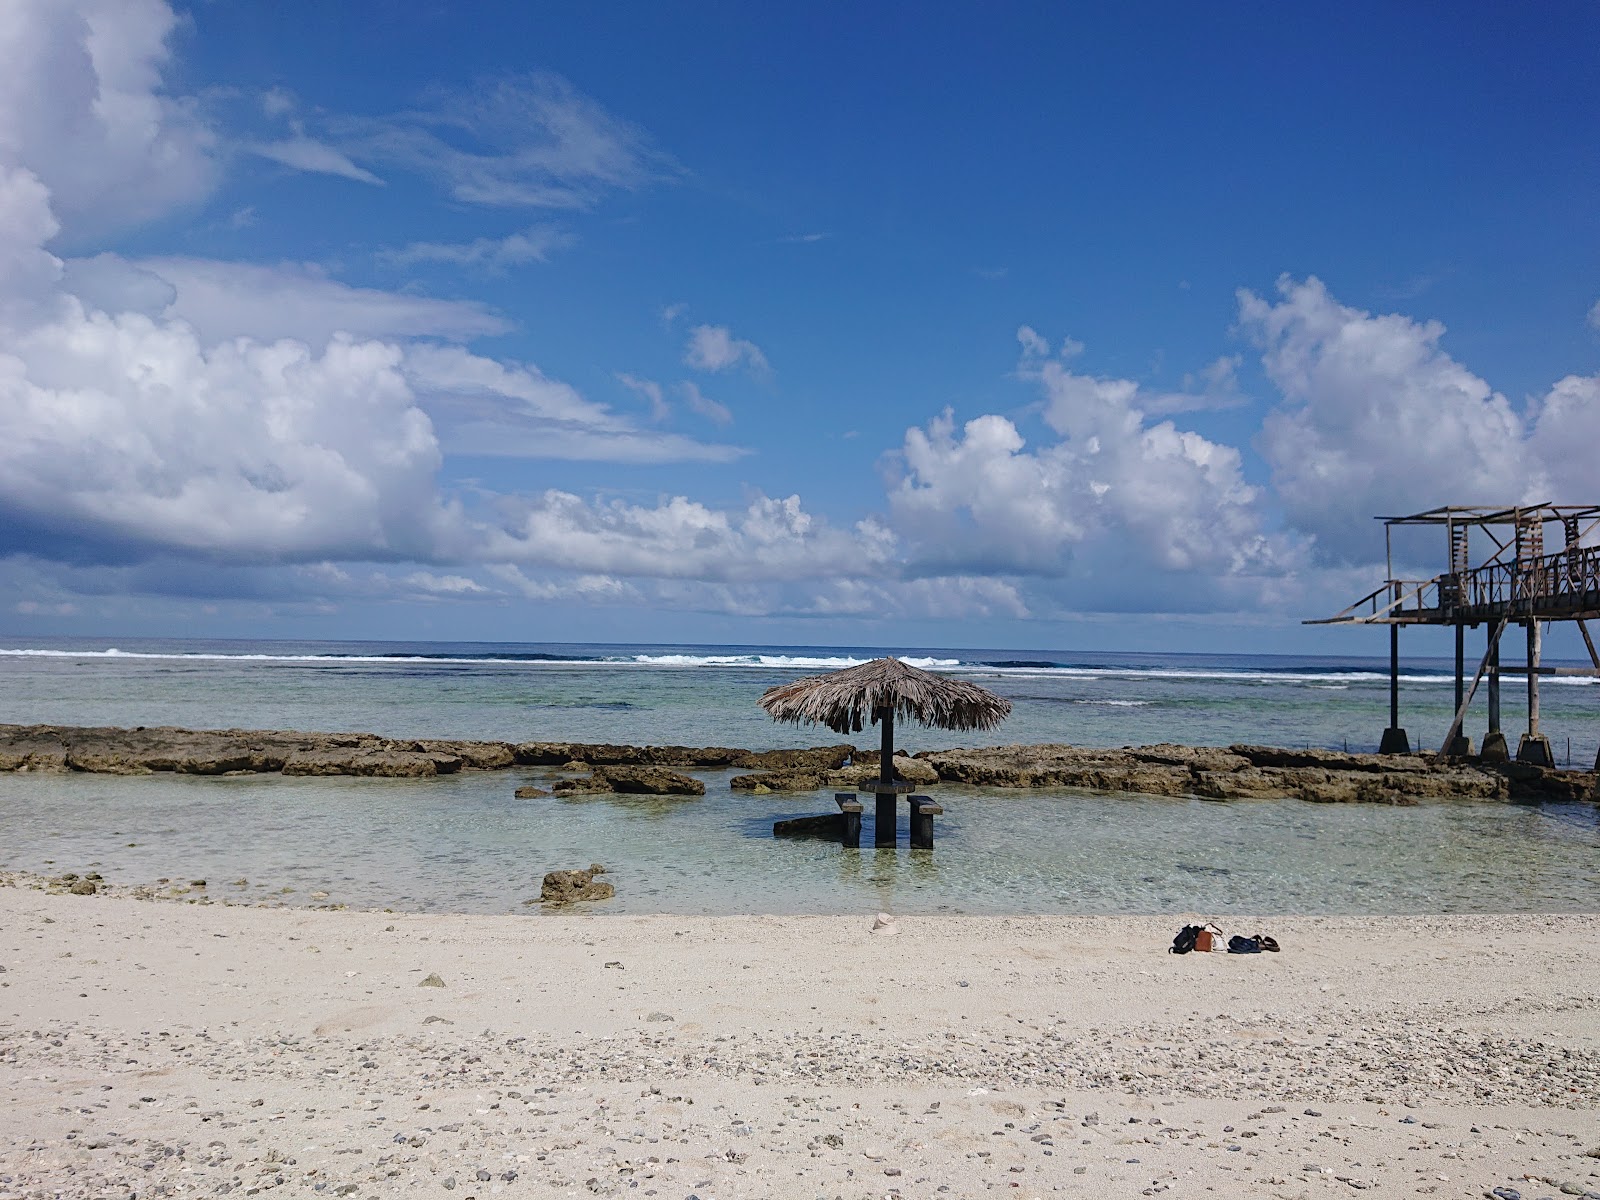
(1202, 938)
(1243, 945)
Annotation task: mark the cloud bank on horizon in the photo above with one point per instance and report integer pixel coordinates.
(294, 427)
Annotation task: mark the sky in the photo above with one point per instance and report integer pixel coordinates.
(1090, 327)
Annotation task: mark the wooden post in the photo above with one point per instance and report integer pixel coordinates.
(886, 818)
(1534, 747)
(1394, 740)
(1460, 745)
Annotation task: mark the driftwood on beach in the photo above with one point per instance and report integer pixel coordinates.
(1214, 773)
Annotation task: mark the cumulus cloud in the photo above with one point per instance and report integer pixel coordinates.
(714, 348)
(678, 538)
(1116, 495)
(1376, 419)
(494, 255)
(180, 410)
(81, 107)
(307, 154)
(1565, 432)
(127, 432)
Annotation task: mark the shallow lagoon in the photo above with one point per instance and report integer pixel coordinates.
(464, 843)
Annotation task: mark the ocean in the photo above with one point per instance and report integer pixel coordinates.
(463, 843)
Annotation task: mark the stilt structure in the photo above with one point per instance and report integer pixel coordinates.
(1516, 584)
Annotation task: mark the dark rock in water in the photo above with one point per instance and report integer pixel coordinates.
(396, 764)
(648, 781)
(654, 781)
(600, 755)
(529, 792)
(569, 887)
(859, 776)
(827, 826)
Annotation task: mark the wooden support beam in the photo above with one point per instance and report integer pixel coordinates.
(1461, 709)
(1589, 642)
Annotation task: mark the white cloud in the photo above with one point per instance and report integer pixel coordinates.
(430, 584)
(1032, 342)
(591, 589)
(1566, 429)
(298, 300)
(307, 154)
(660, 410)
(699, 402)
(671, 312)
(772, 539)
(714, 348)
(532, 245)
(277, 102)
(531, 141)
(81, 107)
(1594, 315)
(485, 407)
(1376, 420)
(1117, 497)
(123, 430)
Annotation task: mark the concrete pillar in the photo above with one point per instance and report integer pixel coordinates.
(1494, 742)
(1534, 748)
(1394, 740)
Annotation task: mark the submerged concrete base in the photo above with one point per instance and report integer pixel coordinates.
(1394, 741)
(1460, 748)
(1534, 749)
(1494, 748)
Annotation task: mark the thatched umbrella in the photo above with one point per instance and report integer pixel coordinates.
(879, 689)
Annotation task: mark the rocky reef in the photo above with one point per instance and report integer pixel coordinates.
(1239, 772)
(146, 750)
(1258, 773)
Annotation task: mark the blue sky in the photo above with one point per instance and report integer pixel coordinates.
(1107, 327)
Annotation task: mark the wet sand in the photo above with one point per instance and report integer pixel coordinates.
(174, 1049)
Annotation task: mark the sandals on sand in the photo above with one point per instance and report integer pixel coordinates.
(1267, 943)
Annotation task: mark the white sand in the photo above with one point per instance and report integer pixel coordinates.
(169, 1049)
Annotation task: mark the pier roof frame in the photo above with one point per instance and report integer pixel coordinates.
(1482, 514)
(1509, 582)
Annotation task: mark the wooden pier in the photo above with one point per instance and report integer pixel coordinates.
(1516, 583)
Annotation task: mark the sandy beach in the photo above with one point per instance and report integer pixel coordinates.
(172, 1049)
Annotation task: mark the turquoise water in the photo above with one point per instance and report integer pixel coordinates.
(463, 843)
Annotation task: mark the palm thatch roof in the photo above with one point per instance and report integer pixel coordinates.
(842, 700)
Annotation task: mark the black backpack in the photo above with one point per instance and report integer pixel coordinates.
(1184, 942)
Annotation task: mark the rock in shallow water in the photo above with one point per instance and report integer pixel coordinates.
(569, 887)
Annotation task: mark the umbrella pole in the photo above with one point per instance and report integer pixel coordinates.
(886, 819)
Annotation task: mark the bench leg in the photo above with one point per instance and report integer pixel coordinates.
(851, 837)
(886, 822)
